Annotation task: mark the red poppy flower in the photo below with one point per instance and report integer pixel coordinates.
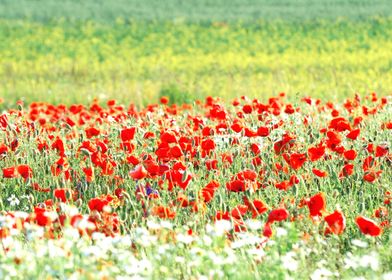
(350, 154)
(347, 170)
(175, 151)
(336, 223)
(227, 158)
(3, 121)
(316, 204)
(334, 139)
(247, 174)
(284, 144)
(96, 204)
(61, 194)
(182, 200)
(37, 187)
(163, 212)
(368, 163)
(239, 211)
(89, 174)
(14, 145)
(255, 149)
(3, 149)
(208, 191)
(284, 185)
(250, 132)
(247, 109)
(357, 121)
(127, 134)
(211, 164)
(148, 135)
(236, 186)
(208, 144)
(257, 207)
(381, 212)
(10, 172)
(278, 215)
(58, 145)
(319, 173)
(382, 150)
(371, 176)
(353, 134)
(168, 137)
(25, 171)
(87, 146)
(119, 192)
(236, 127)
(340, 124)
(164, 100)
(316, 153)
(367, 226)
(263, 131)
(92, 131)
(289, 109)
(370, 148)
(41, 217)
(222, 216)
(138, 173)
(387, 125)
(59, 166)
(294, 179)
(295, 160)
(267, 231)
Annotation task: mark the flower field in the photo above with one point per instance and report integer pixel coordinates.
(64, 62)
(195, 139)
(221, 188)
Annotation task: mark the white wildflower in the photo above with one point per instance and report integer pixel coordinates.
(289, 262)
(92, 251)
(370, 261)
(152, 225)
(359, 243)
(20, 214)
(253, 224)
(238, 243)
(387, 276)
(350, 262)
(166, 224)
(51, 215)
(258, 254)
(185, 238)
(321, 273)
(179, 259)
(207, 240)
(222, 226)
(13, 200)
(97, 236)
(280, 232)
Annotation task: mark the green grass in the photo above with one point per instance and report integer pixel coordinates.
(61, 61)
(193, 10)
(136, 51)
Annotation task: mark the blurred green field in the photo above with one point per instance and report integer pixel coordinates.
(135, 51)
(193, 10)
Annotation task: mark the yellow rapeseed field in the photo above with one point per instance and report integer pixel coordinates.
(139, 61)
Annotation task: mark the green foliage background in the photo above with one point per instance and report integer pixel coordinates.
(193, 10)
(134, 51)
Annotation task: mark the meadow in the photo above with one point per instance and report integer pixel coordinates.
(236, 139)
(204, 191)
(79, 56)
(194, 10)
